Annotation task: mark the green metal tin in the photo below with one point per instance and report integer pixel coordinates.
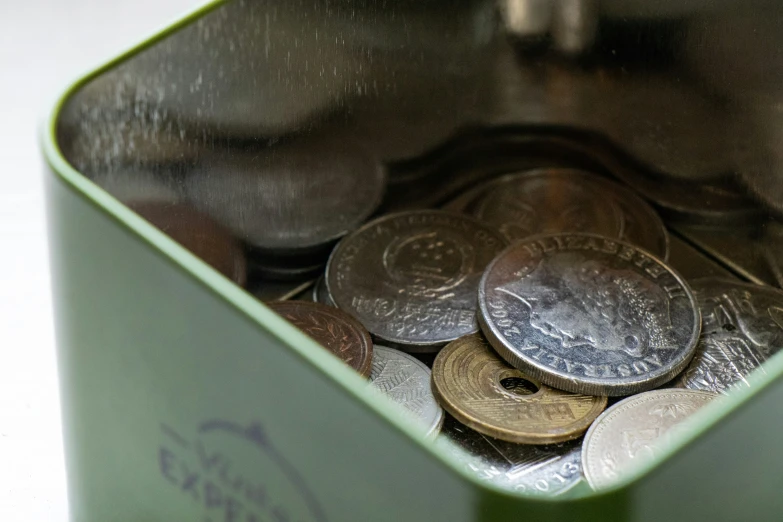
(185, 398)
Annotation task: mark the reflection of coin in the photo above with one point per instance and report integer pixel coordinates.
(548, 201)
(548, 470)
(742, 326)
(321, 293)
(588, 314)
(406, 381)
(197, 232)
(411, 277)
(284, 198)
(333, 329)
(483, 392)
(634, 431)
(641, 224)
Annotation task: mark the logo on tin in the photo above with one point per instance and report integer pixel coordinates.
(234, 473)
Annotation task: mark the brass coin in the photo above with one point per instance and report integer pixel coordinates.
(483, 392)
(333, 329)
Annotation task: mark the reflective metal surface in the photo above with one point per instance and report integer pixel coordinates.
(548, 470)
(680, 101)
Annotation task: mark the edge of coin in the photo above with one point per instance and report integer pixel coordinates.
(432, 430)
(363, 370)
(609, 410)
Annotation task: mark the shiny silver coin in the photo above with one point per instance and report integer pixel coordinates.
(634, 431)
(742, 326)
(411, 278)
(406, 381)
(321, 293)
(548, 470)
(588, 314)
(289, 199)
(544, 201)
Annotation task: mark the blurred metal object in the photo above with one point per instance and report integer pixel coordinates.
(526, 19)
(574, 25)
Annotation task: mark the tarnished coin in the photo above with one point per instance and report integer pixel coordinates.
(547, 201)
(742, 326)
(411, 277)
(321, 293)
(548, 470)
(333, 329)
(483, 392)
(288, 199)
(406, 381)
(200, 234)
(588, 314)
(642, 226)
(633, 431)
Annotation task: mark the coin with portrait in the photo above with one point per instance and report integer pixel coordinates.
(411, 278)
(742, 326)
(588, 314)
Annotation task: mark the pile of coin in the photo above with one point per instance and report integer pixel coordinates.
(507, 320)
(538, 298)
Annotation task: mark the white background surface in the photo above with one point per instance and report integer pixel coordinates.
(44, 44)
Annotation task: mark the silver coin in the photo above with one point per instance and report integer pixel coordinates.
(406, 381)
(321, 293)
(288, 199)
(588, 314)
(548, 470)
(411, 278)
(742, 326)
(634, 431)
(544, 201)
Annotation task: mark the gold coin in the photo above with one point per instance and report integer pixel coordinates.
(482, 391)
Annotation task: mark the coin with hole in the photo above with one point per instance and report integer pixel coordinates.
(482, 391)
